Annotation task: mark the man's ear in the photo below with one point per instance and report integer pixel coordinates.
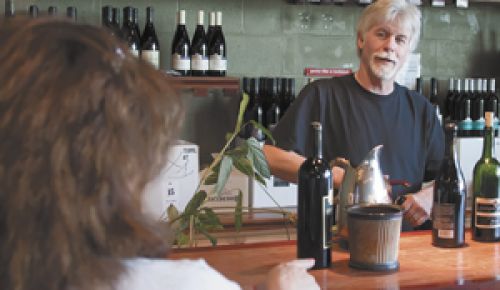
(360, 41)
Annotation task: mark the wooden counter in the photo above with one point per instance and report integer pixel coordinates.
(422, 266)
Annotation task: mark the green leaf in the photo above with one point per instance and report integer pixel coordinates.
(244, 165)
(243, 105)
(225, 170)
(258, 158)
(260, 179)
(210, 219)
(182, 239)
(203, 231)
(195, 203)
(239, 151)
(238, 212)
(264, 130)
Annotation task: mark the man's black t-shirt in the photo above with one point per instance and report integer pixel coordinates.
(355, 120)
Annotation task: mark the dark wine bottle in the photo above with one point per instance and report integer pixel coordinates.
(115, 22)
(150, 46)
(128, 31)
(477, 107)
(181, 62)
(211, 28)
(449, 99)
(106, 16)
(71, 13)
(419, 88)
(52, 11)
(491, 102)
(315, 205)
(9, 8)
(135, 17)
(217, 50)
(256, 111)
(273, 110)
(33, 11)
(448, 210)
(465, 125)
(433, 98)
(199, 49)
(486, 189)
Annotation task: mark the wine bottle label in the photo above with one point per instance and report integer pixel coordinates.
(487, 213)
(218, 62)
(180, 63)
(134, 52)
(152, 56)
(443, 219)
(198, 62)
(327, 214)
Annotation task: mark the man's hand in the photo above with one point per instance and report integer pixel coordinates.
(418, 206)
(292, 276)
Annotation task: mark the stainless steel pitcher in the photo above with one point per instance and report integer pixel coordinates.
(364, 184)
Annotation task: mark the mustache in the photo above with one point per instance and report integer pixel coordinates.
(386, 56)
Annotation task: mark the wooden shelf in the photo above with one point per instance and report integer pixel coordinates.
(199, 86)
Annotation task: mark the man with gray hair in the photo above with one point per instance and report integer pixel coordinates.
(368, 108)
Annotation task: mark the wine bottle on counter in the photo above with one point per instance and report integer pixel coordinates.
(150, 46)
(486, 189)
(199, 49)
(217, 50)
(181, 62)
(448, 210)
(315, 205)
(33, 11)
(52, 11)
(129, 32)
(211, 28)
(71, 13)
(9, 8)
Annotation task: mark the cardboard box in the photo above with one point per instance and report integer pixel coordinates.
(226, 200)
(283, 192)
(176, 182)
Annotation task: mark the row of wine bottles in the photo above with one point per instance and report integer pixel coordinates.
(466, 105)
(269, 100)
(34, 11)
(450, 191)
(206, 54)
(146, 45)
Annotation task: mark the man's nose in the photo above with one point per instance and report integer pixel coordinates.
(390, 43)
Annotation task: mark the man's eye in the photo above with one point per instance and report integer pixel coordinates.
(401, 39)
(381, 34)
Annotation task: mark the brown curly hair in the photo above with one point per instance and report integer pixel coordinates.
(83, 127)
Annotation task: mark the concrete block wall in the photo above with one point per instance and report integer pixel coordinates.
(274, 38)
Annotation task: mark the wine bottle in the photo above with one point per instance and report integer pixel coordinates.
(71, 13)
(52, 11)
(478, 109)
(150, 46)
(491, 103)
(419, 88)
(217, 50)
(448, 210)
(9, 8)
(199, 49)
(434, 99)
(449, 99)
(115, 22)
(486, 189)
(181, 62)
(465, 125)
(273, 111)
(315, 206)
(211, 28)
(106, 16)
(135, 13)
(128, 31)
(33, 11)
(256, 111)
(456, 102)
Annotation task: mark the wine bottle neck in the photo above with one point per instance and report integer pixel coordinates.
(318, 140)
(489, 136)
